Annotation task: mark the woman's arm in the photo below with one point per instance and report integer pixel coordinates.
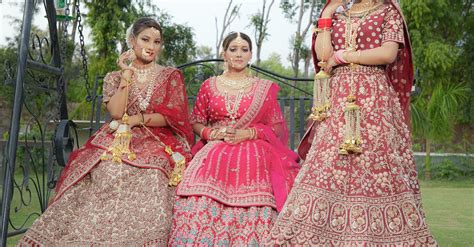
(385, 54)
(116, 105)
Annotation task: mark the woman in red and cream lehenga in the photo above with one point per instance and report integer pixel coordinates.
(243, 170)
(105, 198)
(358, 185)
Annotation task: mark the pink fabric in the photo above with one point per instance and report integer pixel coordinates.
(252, 173)
(169, 99)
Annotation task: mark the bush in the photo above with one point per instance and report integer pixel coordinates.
(447, 170)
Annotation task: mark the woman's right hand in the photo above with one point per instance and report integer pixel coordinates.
(331, 8)
(125, 59)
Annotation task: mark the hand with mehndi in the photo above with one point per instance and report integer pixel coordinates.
(125, 60)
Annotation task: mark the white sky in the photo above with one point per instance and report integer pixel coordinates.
(198, 14)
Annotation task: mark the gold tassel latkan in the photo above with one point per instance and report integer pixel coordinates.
(179, 165)
(352, 139)
(321, 96)
(121, 144)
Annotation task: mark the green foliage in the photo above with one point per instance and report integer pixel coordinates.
(179, 46)
(446, 170)
(440, 52)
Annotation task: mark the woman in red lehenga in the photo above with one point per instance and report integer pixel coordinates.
(358, 185)
(108, 198)
(243, 170)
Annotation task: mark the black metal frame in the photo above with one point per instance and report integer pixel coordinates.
(295, 109)
(39, 75)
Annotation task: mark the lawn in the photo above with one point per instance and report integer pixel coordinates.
(449, 208)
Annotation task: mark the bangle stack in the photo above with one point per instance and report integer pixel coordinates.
(339, 57)
(324, 24)
(253, 134)
(205, 133)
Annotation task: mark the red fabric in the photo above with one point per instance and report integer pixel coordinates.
(400, 72)
(230, 173)
(168, 99)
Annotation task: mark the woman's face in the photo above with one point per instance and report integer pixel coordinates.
(147, 45)
(238, 54)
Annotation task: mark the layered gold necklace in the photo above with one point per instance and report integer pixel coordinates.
(232, 107)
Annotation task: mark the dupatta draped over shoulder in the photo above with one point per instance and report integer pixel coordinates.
(256, 172)
(169, 99)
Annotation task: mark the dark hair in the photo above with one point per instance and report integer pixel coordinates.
(144, 23)
(233, 35)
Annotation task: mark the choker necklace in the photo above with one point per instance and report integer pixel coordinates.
(144, 74)
(235, 84)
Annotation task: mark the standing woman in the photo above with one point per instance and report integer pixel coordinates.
(358, 185)
(243, 170)
(114, 191)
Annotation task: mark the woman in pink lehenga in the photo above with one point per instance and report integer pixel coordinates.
(243, 170)
(110, 198)
(358, 185)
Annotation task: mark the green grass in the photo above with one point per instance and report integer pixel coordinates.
(449, 209)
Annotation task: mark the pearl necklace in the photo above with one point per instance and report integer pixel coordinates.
(143, 102)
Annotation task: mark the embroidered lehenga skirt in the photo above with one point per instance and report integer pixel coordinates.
(113, 205)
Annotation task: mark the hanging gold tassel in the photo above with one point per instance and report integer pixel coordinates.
(352, 139)
(321, 96)
(121, 144)
(179, 165)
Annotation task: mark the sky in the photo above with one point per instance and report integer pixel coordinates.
(198, 14)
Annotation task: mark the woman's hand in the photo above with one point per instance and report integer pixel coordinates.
(125, 59)
(330, 64)
(238, 136)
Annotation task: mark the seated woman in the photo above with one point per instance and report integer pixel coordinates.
(114, 191)
(243, 170)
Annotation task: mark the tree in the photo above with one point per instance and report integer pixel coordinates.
(440, 55)
(295, 12)
(204, 52)
(109, 21)
(259, 21)
(230, 14)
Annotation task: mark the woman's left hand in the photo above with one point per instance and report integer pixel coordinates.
(330, 64)
(239, 136)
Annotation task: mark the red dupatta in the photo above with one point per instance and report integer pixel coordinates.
(400, 75)
(168, 99)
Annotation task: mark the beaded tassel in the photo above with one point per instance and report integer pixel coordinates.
(352, 138)
(179, 165)
(121, 144)
(321, 96)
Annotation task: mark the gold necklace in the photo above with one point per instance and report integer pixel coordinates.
(235, 109)
(235, 84)
(145, 74)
